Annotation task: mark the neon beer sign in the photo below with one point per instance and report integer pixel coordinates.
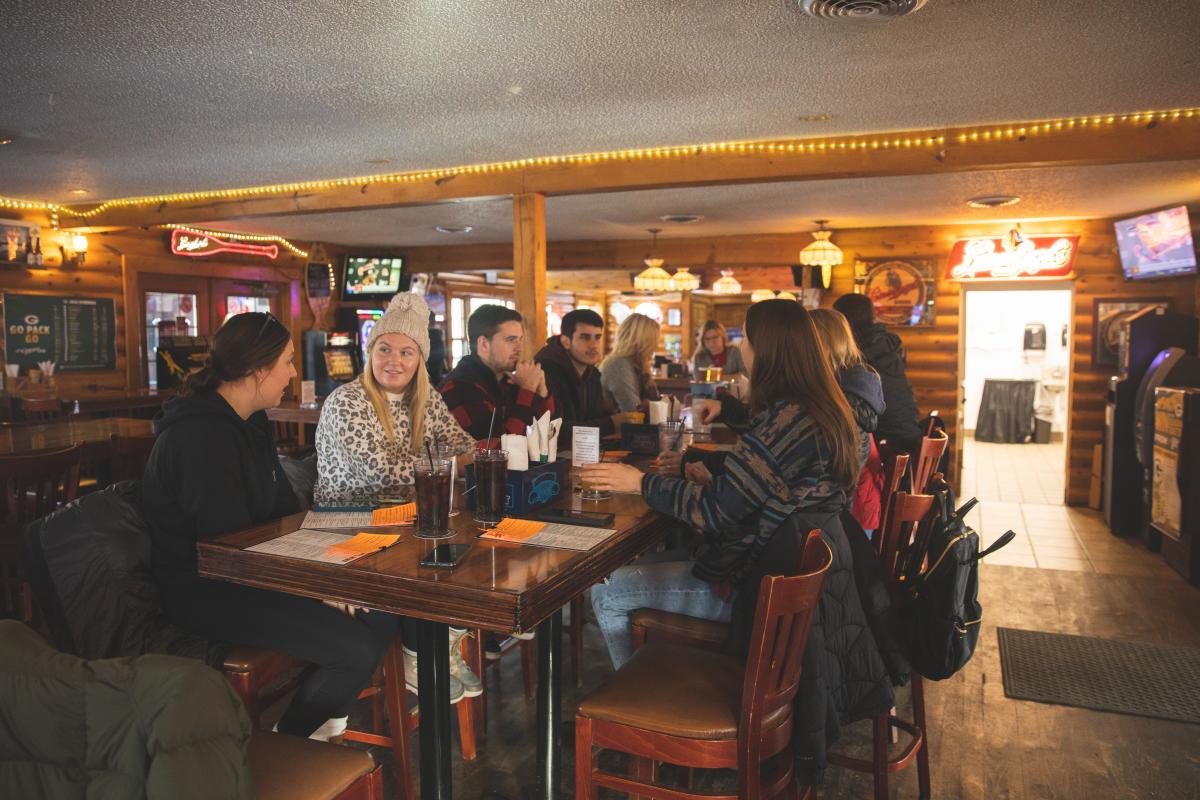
(996, 258)
(196, 245)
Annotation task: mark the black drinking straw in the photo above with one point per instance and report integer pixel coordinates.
(437, 522)
(491, 425)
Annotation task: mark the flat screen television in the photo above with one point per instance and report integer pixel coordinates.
(372, 277)
(1156, 245)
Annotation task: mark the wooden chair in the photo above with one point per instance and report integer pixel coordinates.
(291, 768)
(932, 448)
(41, 409)
(261, 677)
(909, 513)
(129, 456)
(394, 694)
(702, 709)
(895, 464)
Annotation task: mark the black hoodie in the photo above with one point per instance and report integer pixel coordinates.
(210, 473)
(578, 399)
(883, 351)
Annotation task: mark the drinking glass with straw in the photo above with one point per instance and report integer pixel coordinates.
(433, 497)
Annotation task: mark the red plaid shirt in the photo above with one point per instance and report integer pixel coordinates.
(471, 392)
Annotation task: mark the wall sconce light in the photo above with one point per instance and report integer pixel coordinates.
(79, 244)
(74, 249)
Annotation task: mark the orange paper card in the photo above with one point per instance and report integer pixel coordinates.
(514, 530)
(394, 515)
(364, 543)
(614, 455)
(704, 447)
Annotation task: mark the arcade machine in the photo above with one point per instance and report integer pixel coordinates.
(1144, 334)
(1172, 367)
(366, 319)
(177, 357)
(1175, 511)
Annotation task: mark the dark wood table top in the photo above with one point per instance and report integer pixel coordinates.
(499, 586)
(94, 434)
(291, 411)
(92, 402)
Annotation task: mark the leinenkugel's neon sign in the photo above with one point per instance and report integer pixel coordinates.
(1004, 259)
(185, 243)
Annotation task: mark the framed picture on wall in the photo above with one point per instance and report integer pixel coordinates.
(902, 290)
(1107, 314)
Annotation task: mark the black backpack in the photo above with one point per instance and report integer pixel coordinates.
(940, 607)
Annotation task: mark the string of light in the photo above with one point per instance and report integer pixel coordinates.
(824, 146)
(241, 237)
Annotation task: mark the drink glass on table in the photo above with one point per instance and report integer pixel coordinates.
(491, 475)
(671, 438)
(433, 498)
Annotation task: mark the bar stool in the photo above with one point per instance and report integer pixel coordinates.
(909, 513)
(290, 768)
(702, 709)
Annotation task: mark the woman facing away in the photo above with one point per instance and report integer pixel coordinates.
(716, 351)
(373, 430)
(864, 391)
(214, 470)
(625, 375)
(802, 452)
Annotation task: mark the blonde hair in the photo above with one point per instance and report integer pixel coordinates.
(712, 325)
(838, 338)
(636, 339)
(416, 397)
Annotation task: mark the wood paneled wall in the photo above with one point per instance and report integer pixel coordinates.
(933, 352)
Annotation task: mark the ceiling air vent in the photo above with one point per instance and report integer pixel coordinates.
(857, 9)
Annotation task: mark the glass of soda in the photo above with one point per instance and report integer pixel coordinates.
(491, 475)
(433, 498)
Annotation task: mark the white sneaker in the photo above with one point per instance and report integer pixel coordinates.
(472, 686)
(410, 677)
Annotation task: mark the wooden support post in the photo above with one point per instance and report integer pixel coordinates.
(529, 267)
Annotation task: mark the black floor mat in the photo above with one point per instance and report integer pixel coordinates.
(1146, 680)
(1150, 680)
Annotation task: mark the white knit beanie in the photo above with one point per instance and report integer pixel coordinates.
(406, 314)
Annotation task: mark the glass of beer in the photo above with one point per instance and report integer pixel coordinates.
(491, 476)
(433, 498)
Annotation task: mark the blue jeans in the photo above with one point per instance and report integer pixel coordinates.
(665, 585)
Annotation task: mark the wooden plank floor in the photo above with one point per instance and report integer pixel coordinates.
(984, 745)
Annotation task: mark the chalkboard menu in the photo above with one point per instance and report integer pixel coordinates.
(76, 333)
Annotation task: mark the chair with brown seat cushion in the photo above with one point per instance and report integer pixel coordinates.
(703, 709)
(260, 677)
(291, 768)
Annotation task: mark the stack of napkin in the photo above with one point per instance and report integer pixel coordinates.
(539, 445)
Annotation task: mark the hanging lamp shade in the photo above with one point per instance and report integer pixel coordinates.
(685, 281)
(653, 278)
(726, 284)
(785, 296)
(822, 253)
(758, 295)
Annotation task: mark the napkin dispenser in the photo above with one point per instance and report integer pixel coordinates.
(527, 489)
(641, 440)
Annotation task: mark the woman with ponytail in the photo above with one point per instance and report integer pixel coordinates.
(214, 470)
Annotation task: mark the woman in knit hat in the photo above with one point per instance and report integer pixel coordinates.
(373, 430)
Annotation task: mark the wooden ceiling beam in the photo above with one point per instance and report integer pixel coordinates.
(1009, 146)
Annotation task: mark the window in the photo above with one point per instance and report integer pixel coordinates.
(461, 309)
(241, 305)
(168, 314)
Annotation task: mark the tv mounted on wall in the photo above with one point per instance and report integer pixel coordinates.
(1156, 245)
(376, 276)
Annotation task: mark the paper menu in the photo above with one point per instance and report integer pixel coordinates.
(512, 529)
(585, 445)
(551, 534)
(395, 515)
(311, 546)
(391, 515)
(364, 543)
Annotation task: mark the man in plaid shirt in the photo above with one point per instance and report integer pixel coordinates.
(494, 377)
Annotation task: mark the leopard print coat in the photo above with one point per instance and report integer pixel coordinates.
(355, 460)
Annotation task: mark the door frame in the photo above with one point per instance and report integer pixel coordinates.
(966, 287)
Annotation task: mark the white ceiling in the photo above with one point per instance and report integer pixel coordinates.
(132, 97)
(1081, 192)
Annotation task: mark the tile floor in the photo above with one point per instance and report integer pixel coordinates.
(1020, 487)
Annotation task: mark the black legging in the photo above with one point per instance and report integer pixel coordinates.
(345, 650)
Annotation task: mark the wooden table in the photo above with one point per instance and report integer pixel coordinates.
(499, 587)
(93, 433)
(119, 403)
(292, 411)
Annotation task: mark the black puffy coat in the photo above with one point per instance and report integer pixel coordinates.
(843, 675)
(885, 353)
(89, 565)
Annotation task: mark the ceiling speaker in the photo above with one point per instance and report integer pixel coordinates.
(857, 9)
